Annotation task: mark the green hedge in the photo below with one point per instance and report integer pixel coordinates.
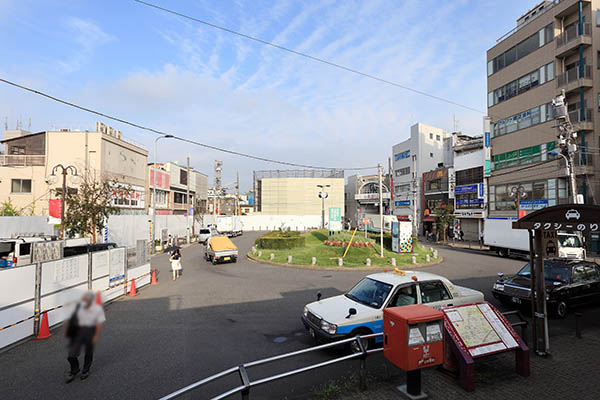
(277, 243)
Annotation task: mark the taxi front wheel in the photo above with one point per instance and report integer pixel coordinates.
(354, 346)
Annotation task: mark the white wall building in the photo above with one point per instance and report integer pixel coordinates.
(426, 144)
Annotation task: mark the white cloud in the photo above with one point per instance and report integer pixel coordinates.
(87, 36)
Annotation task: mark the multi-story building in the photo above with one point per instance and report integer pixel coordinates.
(361, 196)
(296, 192)
(467, 185)
(422, 151)
(552, 48)
(177, 200)
(28, 160)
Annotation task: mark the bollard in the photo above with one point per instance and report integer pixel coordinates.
(414, 259)
(427, 258)
(253, 249)
(313, 261)
(368, 262)
(340, 262)
(393, 261)
(577, 325)
(260, 253)
(431, 249)
(271, 256)
(435, 254)
(289, 259)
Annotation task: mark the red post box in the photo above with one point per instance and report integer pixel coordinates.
(413, 339)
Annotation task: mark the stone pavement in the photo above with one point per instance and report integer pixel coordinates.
(572, 372)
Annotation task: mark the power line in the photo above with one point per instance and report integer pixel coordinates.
(311, 57)
(163, 133)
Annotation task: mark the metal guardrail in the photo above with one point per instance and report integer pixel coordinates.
(246, 385)
(573, 75)
(21, 160)
(572, 33)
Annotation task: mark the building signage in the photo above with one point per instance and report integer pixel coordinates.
(533, 204)
(370, 196)
(549, 243)
(468, 213)
(481, 193)
(403, 155)
(487, 148)
(465, 202)
(402, 204)
(466, 189)
(567, 217)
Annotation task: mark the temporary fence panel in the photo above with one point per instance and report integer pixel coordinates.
(17, 291)
(12, 226)
(63, 282)
(141, 275)
(116, 273)
(100, 271)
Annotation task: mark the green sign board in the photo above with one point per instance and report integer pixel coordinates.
(335, 219)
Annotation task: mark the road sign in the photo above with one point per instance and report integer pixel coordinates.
(550, 243)
(365, 221)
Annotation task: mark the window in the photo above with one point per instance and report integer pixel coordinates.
(527, 118)
(598, 17)
(21, 186)
(369, 292)
(402, 188)
(433, 291)
(540, 76)
(183, 177)
(430, 155)
(17, 150)
(403, 171)
(179, 198)
(25, 249)
(579, 274)
(404, 296)
(431, 136)
(469, 176)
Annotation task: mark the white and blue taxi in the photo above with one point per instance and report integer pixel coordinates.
(360, 310)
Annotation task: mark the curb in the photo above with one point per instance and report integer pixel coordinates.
(439, 260)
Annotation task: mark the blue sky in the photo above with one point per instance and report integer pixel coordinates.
(172, 74)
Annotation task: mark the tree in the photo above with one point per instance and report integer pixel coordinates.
(445, 218)
(89, 207)
(7, 209)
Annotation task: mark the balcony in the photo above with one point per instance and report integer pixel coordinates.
(586, 124)
(572, 79)
(568, 41)
(22, 160)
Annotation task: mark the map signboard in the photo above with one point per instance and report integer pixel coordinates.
(479, 329)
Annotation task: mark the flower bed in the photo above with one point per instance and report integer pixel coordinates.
(336, 243)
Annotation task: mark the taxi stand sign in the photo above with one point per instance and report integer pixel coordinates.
(566, 217)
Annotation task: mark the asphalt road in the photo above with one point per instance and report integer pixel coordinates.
(216, 317)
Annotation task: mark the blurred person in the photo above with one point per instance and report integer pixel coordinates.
(176, 264)
(83, 329)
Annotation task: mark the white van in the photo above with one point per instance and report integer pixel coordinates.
(16, 252)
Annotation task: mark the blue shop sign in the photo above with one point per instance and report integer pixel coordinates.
(466, 189)
(403, 203)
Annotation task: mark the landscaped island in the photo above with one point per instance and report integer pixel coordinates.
(327, 250)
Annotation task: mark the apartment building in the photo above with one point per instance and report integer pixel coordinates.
(296, 192)
(553, 47)
(172, 192)
(28, 160)
(423, 151)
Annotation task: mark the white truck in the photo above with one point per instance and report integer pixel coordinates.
(499, 236)
(230, 225)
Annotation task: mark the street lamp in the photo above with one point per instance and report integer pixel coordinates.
(569, 171)
(75, 179)
(323, 195)
(153, 227)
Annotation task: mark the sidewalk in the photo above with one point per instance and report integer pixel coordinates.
(571, 373)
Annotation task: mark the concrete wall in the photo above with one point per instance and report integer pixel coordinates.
(12, 226)
(300, 196)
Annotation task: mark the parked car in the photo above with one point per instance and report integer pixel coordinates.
(360, 310)
(568, 283)
(15, 252)
(70, 251)
(203, 235)
(220, 249)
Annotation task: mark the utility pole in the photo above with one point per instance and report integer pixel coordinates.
(518, 192)
(380, 172)
(216, 189)
(415, 191)
(237, 194)
(566, 139)
(63, 171)
(189, 209)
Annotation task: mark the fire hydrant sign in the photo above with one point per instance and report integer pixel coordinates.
(550, 243)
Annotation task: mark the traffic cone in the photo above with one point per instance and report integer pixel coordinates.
(44, 332)
(153, 281)
(132, 292)
(99, 298)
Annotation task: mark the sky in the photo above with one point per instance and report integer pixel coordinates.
(172, 74)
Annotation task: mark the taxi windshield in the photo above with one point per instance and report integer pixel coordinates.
(552, 271)
(369, 292)
(569, 241)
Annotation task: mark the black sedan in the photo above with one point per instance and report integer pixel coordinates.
(568, 283)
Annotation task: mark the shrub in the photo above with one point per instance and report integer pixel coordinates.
(280, 240)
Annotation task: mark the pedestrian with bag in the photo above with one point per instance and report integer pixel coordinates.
(83, 329)
(176, 264)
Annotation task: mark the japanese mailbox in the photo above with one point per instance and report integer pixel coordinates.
(413, 339)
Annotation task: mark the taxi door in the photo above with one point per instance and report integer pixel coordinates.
(435, 294)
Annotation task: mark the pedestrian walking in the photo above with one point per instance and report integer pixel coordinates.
(170, 241)
(176, 264)
(481, 239)
(83, 329)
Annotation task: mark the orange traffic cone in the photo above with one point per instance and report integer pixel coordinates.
(132, 291)
(98, 298)
(44, 332)
(153, 281)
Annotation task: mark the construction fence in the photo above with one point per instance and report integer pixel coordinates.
(54, 287)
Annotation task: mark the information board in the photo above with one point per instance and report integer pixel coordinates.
(479, 329)
(335, 219)
(46, 251)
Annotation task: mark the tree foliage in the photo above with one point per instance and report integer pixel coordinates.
(89, 207)
(7, 209)
(445, 218)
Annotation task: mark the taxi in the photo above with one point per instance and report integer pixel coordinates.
(360, 310)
